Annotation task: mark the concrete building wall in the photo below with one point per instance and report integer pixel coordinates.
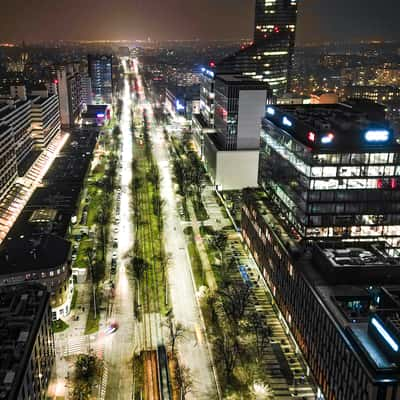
(251, 111)
(236, 170)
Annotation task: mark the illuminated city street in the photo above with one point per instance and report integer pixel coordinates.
(200, 200)
(193, 349)
(119, 346)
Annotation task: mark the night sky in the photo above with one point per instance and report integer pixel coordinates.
(319, 20)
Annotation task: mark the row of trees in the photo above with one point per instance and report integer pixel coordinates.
(241, 334)
(182, 374)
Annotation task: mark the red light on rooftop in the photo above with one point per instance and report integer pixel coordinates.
(311, 136)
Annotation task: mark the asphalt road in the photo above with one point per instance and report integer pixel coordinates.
(119, 345)
(193, 349)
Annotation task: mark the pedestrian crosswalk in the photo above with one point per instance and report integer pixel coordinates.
(103, 384)
(81, 344)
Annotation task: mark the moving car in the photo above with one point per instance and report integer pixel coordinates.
(111, 328)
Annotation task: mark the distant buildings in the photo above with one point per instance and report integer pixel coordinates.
(270, 57)
(27, 351)
(376, 93)
(123, 51)
(86, 88)
(100, 72)
(183, 100)
(387, 95)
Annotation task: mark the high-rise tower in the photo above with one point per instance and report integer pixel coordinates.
(269, 58)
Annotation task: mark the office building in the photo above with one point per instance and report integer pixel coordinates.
(207, 96)
(231, 150)
(339, 300)
(46, 121)
(70, 94)
(100, 72)
(27, 352)
(270, 57)
(324, 231)
(86, 86)
(332, 172)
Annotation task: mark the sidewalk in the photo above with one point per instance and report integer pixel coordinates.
(69, 343)
(210, 279)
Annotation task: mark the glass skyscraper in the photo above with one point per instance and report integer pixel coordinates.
(269, 58)
(100, 72)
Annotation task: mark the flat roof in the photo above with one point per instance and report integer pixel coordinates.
(238, 80)
(332, 128)
(35, 253)
(35, 228)
(7, 108)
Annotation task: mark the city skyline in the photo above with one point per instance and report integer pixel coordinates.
(209, 20)
(200, 200)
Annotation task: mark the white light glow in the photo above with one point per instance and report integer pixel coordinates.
(270, 111)
(286, 121)
(385, 334)
(377, 136)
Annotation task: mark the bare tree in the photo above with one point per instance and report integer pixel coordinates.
(235, 298)
(175, 329)
(260, 331)
(227, 352)
(227, 266)
(184, 381)
(220, 242)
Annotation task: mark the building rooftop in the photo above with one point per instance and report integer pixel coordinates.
(242, 80)
(333, 128)
(35, 253)
(95, 111)
(21, 311)
(356, 262)
(9, 106)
